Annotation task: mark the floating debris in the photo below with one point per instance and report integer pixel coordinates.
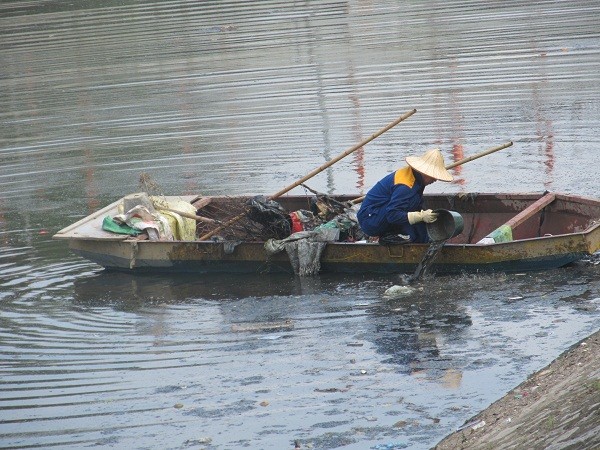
(262, 326)
(390, 446)
(399, 291)
(271, 337)
(330, 390)
(200, 441)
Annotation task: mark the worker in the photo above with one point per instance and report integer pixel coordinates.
(393, 208)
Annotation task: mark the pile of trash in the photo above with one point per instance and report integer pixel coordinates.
(303, 234)
(159, 218)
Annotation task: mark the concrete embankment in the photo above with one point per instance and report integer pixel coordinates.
(555, 408)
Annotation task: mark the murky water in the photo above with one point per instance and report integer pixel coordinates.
(237, 97)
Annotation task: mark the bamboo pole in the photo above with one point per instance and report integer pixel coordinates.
(479, 155)
(457, 163)
(314, 172)
(343, 155)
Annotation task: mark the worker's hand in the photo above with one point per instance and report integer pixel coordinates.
(427, 216)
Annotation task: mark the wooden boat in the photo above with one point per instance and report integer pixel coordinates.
(548, 231)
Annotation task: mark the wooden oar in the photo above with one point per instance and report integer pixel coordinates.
(504, 233)
(457, 163)
(314, 172)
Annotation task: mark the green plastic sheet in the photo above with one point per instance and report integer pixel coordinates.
(108, 224)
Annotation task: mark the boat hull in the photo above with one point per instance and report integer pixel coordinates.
(205, 258)
(566, 231)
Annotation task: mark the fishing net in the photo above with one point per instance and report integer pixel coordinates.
(223, 210)
(148, 185)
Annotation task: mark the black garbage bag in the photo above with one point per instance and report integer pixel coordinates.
(271, 216)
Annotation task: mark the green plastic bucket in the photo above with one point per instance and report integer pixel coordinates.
(447, 225)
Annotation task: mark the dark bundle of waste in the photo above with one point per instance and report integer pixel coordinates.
(350, 231)
(347, 225)
(306, 243)
(325, 207)
(270, 215)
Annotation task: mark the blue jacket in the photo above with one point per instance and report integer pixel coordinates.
(385, 207)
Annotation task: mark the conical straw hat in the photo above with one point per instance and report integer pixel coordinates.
(430, 164)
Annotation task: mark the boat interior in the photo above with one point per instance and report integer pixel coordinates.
(528, 215)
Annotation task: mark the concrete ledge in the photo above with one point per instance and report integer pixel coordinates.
(555, 408)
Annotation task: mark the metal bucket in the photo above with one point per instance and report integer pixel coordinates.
(447, 225)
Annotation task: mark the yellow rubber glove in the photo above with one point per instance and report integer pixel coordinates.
(427, 216)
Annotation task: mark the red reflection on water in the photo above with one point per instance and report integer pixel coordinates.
(191, 177)
(549, 152)
(544, 130)
(359, 162)
(91, 192)
(455, 127)
(3, 226)
(84, 105)
(458, 153)
(358, 158)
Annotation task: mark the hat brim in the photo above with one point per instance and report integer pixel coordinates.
(439, 173)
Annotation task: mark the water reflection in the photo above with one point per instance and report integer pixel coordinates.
(409, 333)
(405, 332)
(135, 291)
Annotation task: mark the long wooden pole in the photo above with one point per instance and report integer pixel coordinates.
(343, 155)
(458, 163)
(479, 155)
(315, 172)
